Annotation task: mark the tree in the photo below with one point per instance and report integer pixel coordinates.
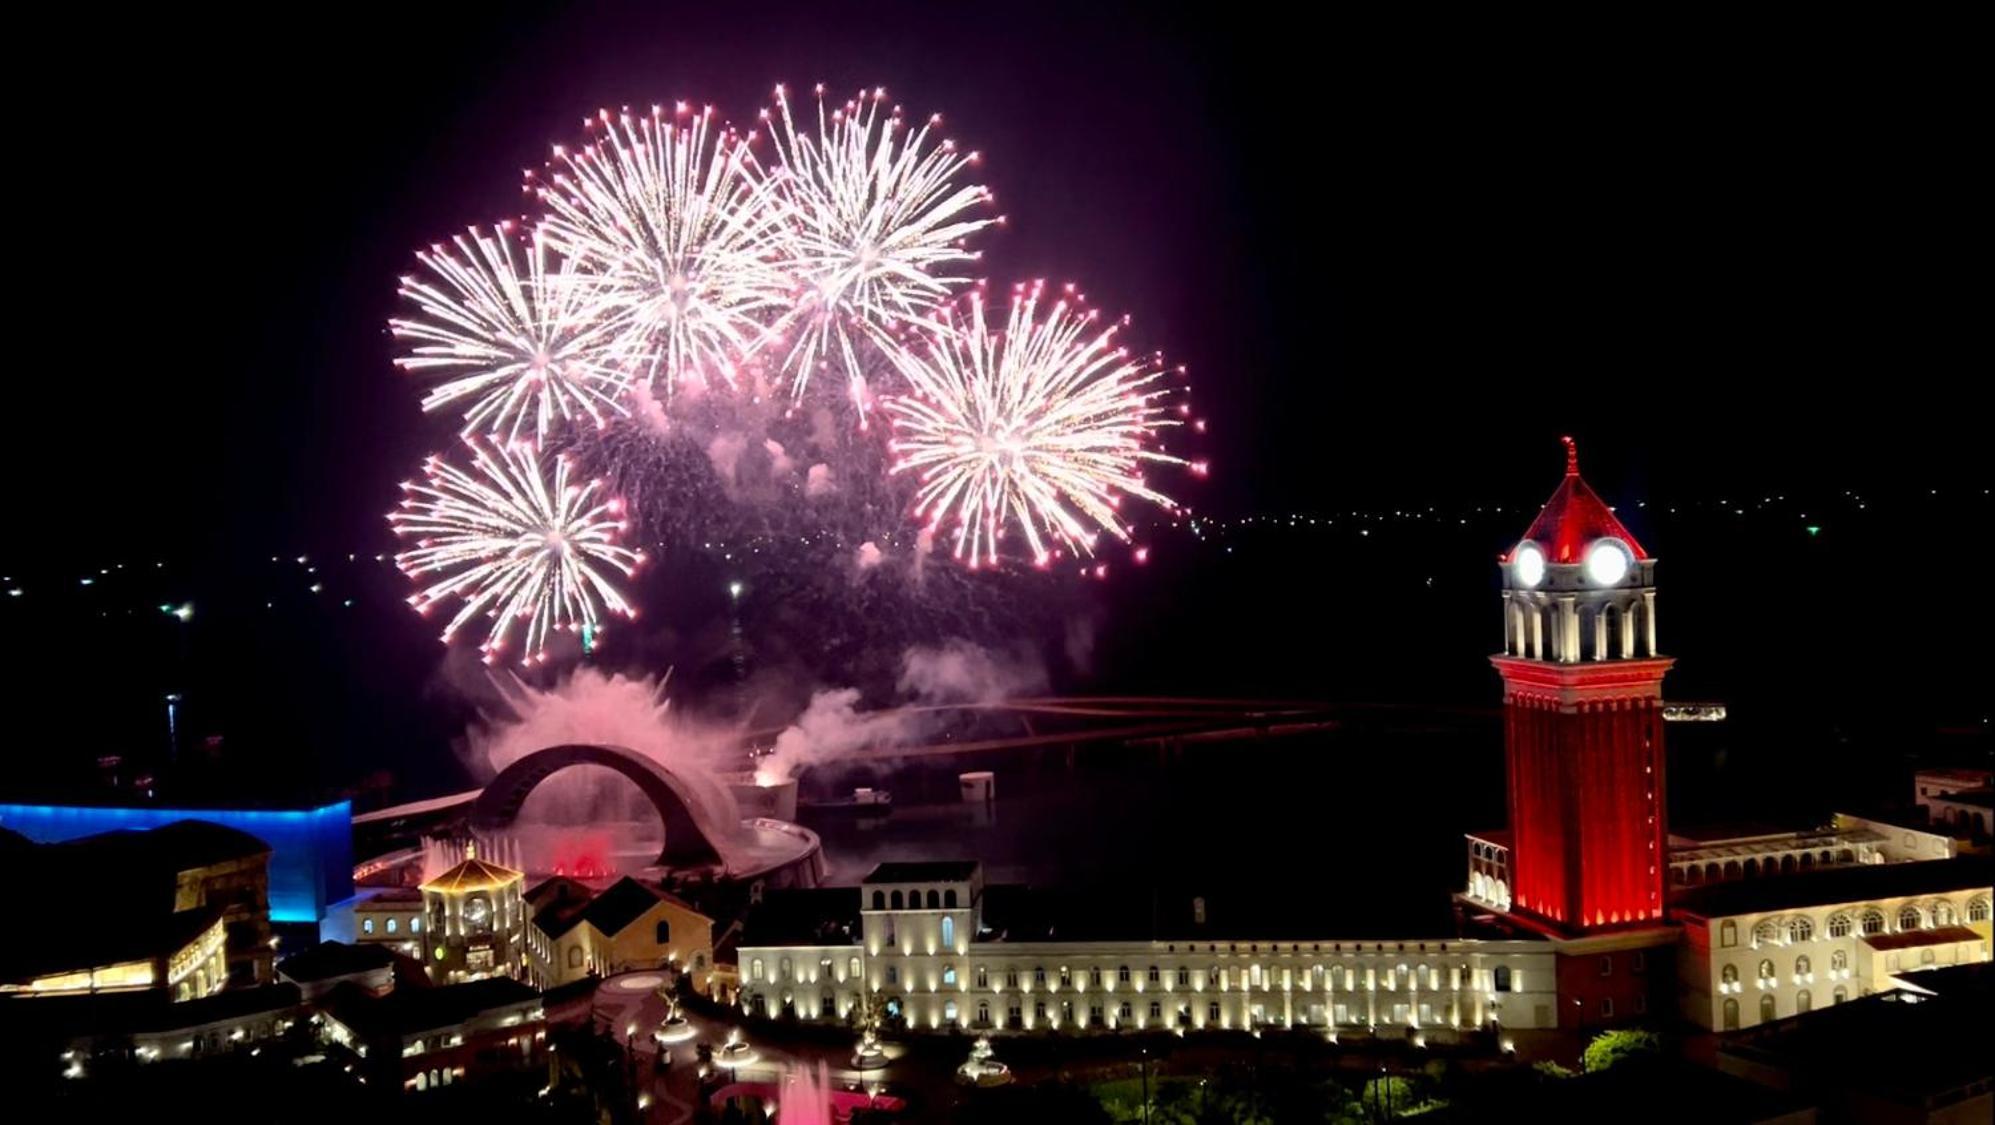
(1614, 1048)
(1042, 1102)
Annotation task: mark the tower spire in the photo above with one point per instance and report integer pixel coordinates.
(1572, 456)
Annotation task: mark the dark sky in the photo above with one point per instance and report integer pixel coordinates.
(1399, 260)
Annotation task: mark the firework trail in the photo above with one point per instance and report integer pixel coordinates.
(874, 220)
(513, 547)
(679, 243)
(1046, 424)
(508, 336)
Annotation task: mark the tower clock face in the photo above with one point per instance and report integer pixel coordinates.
(1606, 563)
(1527, 565)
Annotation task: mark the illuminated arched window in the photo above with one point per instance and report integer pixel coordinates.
(1766, 933)
(367, 925)
(1977, 911)
(1911, 917)
(1943, 914)
(1840, 925)
(1839, 960)
(949, 975)
(393, 924)
(1800, 929)
(1872, 922)
(1803, 966)
(1728, 933)
(1766, 969)
(1768, 1009)
(948, 932)
(1729, 975)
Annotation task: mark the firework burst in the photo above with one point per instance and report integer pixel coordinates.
(513, 547)
(1046, 425)
(874, 221)
(678, 241)
(505, 329)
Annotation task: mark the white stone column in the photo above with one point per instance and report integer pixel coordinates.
(1568, 630)
(1649, 619)
(1537, 633)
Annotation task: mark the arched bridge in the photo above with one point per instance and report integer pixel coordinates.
(687, 842)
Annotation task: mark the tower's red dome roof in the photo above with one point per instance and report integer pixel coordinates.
(1576, 516)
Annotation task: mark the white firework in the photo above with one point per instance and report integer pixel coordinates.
(874, 226)
(679, 242)
(509, 336)
(509, 545)
(1045, 425)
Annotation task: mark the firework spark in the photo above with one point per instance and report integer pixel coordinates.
(513, 547)
(1046, 424)
(874, 220)
(505, 328)
(679, 241)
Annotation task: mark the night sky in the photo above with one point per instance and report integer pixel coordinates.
(1400, 262)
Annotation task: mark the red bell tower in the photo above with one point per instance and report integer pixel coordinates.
(1583, 728)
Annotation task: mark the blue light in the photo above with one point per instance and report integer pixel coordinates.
(311, 850)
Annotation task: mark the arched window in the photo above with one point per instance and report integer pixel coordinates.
(949, 1011)
(1871, 923)
(416, 924)
(879, 900)
(1839, 960)
(393, 924)
(1977, 910)
(1731, 1014)
(1156, 977)
(1840, 925)
(1911, 917)
(1066, 977)
(1766, 969)
(948, 931)
(575, 960)
(893, 974)
(896, 900)
(949, 899)
(367, 925)
(1803, 966)
(1804, 1001)
(1943, 914)
(664, 931)
(983, 977)
(1039, 975)
(1184, 976)
(785, 969)
(949, 975)
(1729, 975)
(1122, 975)
(1766, 933)
(934, 900)
(1768, 1009)
(1503, 978)
(1841, 994)
(983, 1013)
(852, 970)
(1800, 929)
(1728, 932)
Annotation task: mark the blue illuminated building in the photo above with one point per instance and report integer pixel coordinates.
(311, 850)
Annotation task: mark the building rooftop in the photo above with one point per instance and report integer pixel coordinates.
(937, 871)
(104, 937)
(803, 916)
(1913, 939)
(1833, 885)
(391, 898)
(560, 904)
(1980, 798)
(473, 874)
(1957, 773)
(334, 959)
(1211, 914)
(1574, 517)
(412, 1011)
(1903, 1046)
(113, 1013)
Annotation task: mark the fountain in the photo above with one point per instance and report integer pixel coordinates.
(982, 1069)
(870, 1055)
(734, 1054)
(675, 1029)
(806, 1098)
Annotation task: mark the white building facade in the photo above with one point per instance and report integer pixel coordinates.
(920, 960)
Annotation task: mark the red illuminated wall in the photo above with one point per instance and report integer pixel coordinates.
(1587, 821)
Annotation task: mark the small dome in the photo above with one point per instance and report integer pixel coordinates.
(1574, 518)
